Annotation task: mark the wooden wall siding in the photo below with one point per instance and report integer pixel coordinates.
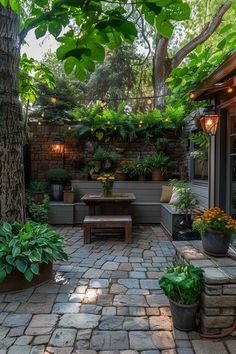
(201, 192)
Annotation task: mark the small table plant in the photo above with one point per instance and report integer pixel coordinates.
(107, 181)
(216, 228)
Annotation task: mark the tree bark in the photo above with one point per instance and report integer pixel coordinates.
(12, 195)
(161, 71)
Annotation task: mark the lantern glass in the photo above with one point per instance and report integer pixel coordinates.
(209, 123)
(58, 146)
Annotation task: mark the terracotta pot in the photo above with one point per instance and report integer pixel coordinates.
(38, 197)
(216, 243)
(183, 316)
(142, 178)
(121, 176)
(68, 197)
(157, 174)
(16, 280)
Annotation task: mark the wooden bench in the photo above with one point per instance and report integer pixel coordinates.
(107, 222)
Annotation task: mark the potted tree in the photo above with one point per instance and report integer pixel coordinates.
(37, 191)
(57, 177)
(27, 252)
(158, 163)
(182, 284)
(216, 228)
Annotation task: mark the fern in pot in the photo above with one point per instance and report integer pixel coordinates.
(182, 285)
(158, 163)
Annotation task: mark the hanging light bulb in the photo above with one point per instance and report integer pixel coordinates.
(191, 95)
(149, 101)
(69, 128)
(42, 115)
(91, 130)
(109, 122)
(229, 89)
(103, 104)
(53, 99)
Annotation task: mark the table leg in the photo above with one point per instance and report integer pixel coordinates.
(92, 209)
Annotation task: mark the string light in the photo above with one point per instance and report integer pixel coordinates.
(229, 89)
(42, 115)
(92, 130)
(109, 122)
(191, 95)
(53, 99)
(103, 104)
(149, 101)
(69, 128)
(39, 123)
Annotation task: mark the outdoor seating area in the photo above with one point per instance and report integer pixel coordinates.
(117, 177)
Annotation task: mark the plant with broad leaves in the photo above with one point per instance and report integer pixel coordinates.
(182, 283)
(37, 212)
(25, 247)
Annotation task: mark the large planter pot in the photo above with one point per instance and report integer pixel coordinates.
(68, 197)
(16, 280)
(157, 174)
(183, 316)
(216, 243)
(142, 178)
(57, 192)
(121, 176)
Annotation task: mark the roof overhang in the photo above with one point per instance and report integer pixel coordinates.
(217, 80)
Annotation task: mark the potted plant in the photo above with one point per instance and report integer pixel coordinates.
(121, 175)
(27, 252)
(57, 178)
(104, 159)
(216, 228)
(182, 284)
(37, 212)
(107, 181)
(139, 168)
(158, 163)
(37, 190)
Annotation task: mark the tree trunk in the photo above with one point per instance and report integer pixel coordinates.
(12, 196)
(161, 71)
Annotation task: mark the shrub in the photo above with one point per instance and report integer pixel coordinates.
(37, 212)
(25, 247)
(37, 187)
(57, 175)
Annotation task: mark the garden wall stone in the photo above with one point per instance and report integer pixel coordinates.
(218, 300)
(42, 156)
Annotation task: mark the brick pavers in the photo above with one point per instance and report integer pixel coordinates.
(105, 299)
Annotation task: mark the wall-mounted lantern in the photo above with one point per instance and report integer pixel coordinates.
(209, 121)
(58, 146)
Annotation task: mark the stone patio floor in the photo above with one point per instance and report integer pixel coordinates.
(105, 299)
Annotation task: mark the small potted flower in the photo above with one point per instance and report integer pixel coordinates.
(107, 181)
(216, 228)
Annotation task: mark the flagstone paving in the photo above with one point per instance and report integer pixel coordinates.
(106, 299)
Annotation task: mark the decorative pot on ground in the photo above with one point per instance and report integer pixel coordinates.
(57, 192)
(184, 316)
(182, 284)
(37, 191)
(216, 228)
(16, 280)
(157, 164)
(68, 197)
(216, 243)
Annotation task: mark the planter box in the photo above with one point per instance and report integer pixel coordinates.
(16, 280)
(60, 213)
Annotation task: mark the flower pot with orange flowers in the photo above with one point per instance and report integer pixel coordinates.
(216, 229)
(107, 181)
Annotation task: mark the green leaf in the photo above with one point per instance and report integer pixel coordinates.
(15, 5)
(29, 275)
(34, 268)
(3, 275)
(16, 251)
(21, 265)
(41, 30)
(4, 3)
(97, 51)
(77, 53)
(10, 259)
(69, 65)
(165, 28)
(55, 28)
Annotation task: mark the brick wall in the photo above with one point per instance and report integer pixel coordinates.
(43, 157)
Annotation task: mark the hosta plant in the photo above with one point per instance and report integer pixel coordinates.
(182, 283)
(25, 247)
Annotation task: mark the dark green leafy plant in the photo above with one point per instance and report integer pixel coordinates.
(57, 175)
(186, 200)
(37, 212)
(157, 161)
(37, 187)
(103, 155)
(25, 247)
(182, 283)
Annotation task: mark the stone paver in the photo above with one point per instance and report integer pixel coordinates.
(106, 299)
